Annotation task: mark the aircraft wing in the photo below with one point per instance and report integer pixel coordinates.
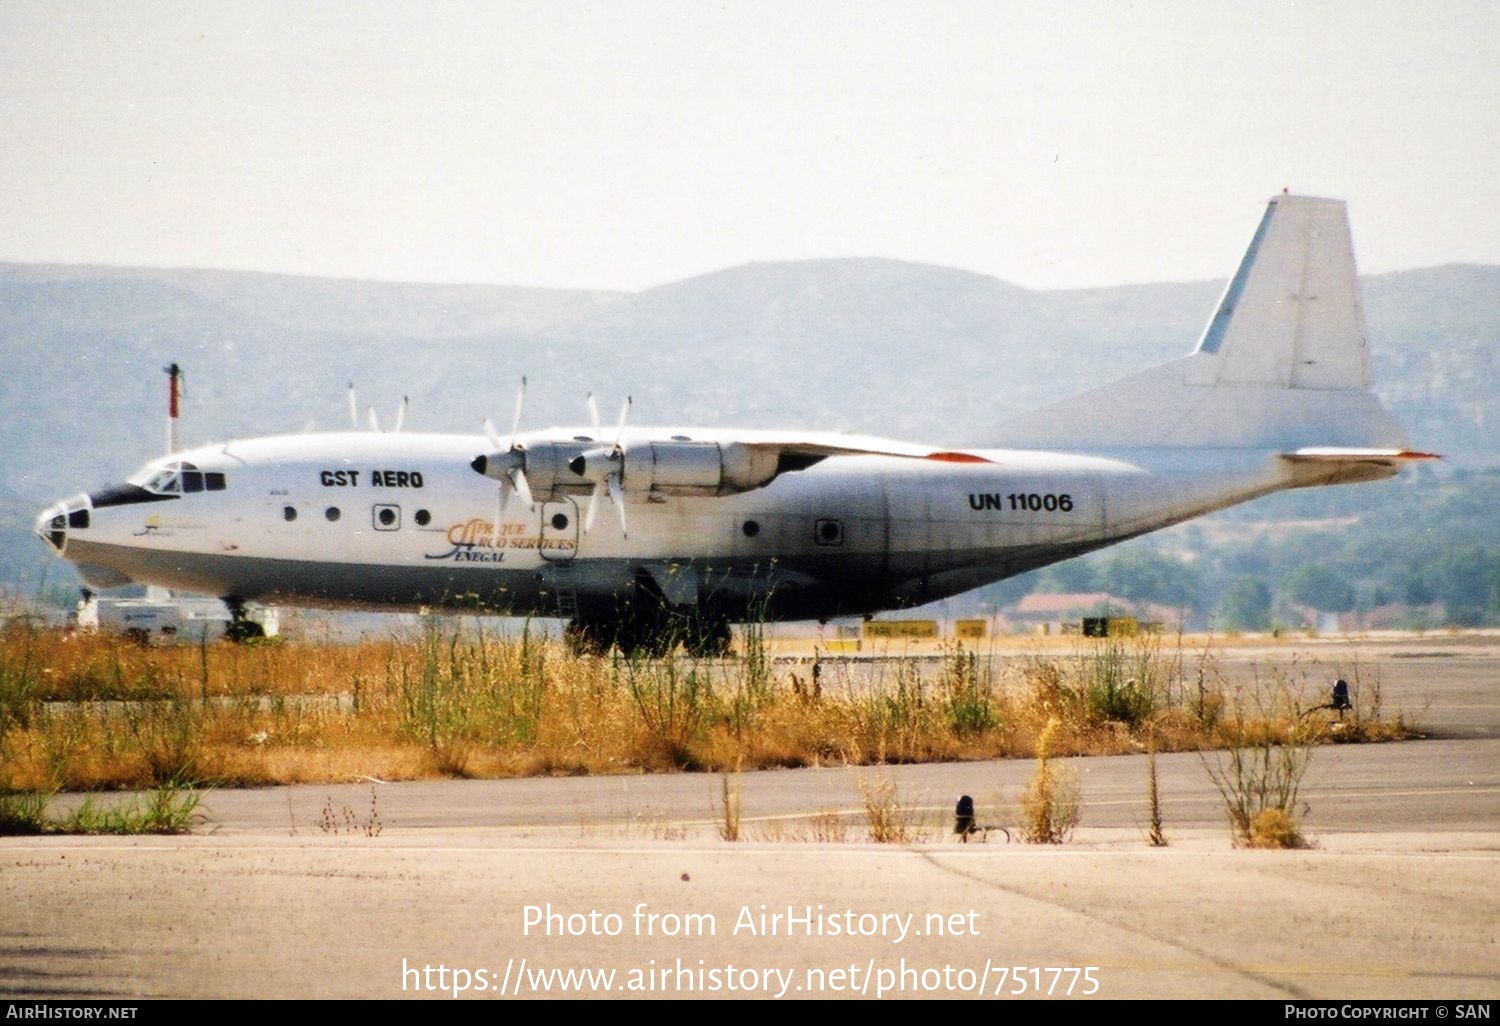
(818, 445)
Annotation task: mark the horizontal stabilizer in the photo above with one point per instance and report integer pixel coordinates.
(1392, 457)
(1326, 465)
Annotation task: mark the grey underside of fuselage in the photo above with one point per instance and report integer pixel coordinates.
(813, 587)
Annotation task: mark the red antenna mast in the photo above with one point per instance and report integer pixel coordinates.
(174, 396)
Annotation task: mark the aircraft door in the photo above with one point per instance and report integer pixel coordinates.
(558, 535)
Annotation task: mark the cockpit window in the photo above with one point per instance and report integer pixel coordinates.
(163, 482)
(179, 479)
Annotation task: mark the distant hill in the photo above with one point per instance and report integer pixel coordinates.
(874, 345)
(882, 346)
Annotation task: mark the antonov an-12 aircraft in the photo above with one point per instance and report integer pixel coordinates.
(713, 527)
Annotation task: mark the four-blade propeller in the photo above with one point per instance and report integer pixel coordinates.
(604, 466)
(372, 420)
(510, 464)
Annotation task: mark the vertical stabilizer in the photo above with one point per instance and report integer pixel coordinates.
(1290, 316)
(1282, 364)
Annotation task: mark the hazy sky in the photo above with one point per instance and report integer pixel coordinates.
(626, 144)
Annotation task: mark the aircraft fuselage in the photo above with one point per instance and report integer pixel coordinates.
(401, 520)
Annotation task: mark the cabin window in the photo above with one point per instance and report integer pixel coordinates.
(386, 518)
(214, 480)
(332, 513)
(423, 518)
(289, 513)
(751, 528)
(829, 532)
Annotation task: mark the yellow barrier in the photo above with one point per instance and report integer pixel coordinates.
(901, 629)
(1111, 627)
(833, 645)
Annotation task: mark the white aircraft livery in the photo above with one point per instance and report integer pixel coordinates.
(713, 527)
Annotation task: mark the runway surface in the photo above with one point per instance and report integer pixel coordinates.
(622, 886)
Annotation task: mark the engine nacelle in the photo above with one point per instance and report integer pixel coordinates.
(697, 468)
(547, 470)
(662, 468)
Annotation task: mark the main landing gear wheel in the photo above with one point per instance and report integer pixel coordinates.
(631, 637)
(587, 638)
(708, 636)
(241, 628)
(704, 637)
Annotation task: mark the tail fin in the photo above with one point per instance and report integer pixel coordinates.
(1283, 363)
(1290, 316)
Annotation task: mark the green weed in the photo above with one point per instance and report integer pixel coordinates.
(168, 809)
(1259, 774)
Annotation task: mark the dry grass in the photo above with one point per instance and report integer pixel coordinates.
(890, 820)
(1275, 828)
(84, 712)
(731, 799)
(1155, 833)
(345, 820)
(828, 827)
(1269, 740)
(831, 826)
(1049, 803)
